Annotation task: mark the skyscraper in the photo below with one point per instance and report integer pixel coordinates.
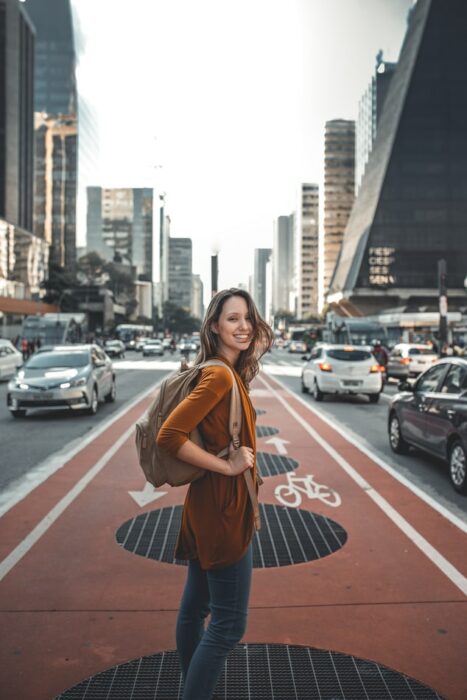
(16, 114)
(306, 250)
(412, 206)
(120, 225)
(23, 256)
(55, 86)
(260, 280)
(55, 190)
(370, 108)
(282, 263)
(180, 272)
(339, 188)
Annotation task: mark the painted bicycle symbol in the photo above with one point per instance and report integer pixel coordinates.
(289, 494)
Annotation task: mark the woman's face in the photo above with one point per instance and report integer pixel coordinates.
(234, 328)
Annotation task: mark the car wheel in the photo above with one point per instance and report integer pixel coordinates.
(305, 389)
(397, 442)
(112, 395)
(458, 466)
(374, 398)
(317, 393)
(93, 406)
(18, 413)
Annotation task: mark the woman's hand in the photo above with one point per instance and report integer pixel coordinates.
(240, 459)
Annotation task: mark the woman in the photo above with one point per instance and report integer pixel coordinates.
(218, 523)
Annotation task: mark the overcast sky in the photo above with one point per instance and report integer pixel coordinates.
(231, 99)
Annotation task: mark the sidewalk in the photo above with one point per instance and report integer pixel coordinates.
(354, 576)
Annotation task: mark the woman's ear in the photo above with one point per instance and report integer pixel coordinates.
(214, 328)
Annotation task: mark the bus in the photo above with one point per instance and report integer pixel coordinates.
(353, 330)
(128, 333)
(55, 329)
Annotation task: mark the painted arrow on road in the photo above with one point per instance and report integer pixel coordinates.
(279, 444)
(147, 495)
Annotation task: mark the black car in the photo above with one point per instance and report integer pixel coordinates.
(432, 414)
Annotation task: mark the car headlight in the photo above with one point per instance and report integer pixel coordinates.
(80, 381)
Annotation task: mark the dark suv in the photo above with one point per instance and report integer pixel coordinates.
(432, 414)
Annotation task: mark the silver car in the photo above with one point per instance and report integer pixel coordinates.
(74, 376)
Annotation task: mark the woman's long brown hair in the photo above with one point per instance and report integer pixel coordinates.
(248, 362)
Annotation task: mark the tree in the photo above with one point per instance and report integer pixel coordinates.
(59, 288)
(91, 267)
(178, 319)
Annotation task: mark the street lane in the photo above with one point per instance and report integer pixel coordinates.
(368, 425)
(29, 441)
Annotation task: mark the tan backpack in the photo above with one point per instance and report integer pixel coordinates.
(159, 466)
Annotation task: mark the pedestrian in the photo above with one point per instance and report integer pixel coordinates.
(218, 521)
(25, 349)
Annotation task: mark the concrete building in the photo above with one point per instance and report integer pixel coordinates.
(282, 263)
(412, 206)
(23, 256)
(370, 108)
(260, 280)
(306, 248)
(55, 185)
(339, 189)
(120, 226)
(180, 272)
(197, 305)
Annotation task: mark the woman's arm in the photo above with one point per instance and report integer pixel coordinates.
(238, 460)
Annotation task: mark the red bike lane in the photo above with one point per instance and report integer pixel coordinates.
(391, 588)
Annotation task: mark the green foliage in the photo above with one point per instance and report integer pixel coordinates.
(178, 320)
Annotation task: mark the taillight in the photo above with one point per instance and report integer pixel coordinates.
(376, 368)
(405, 361)
(325, 367)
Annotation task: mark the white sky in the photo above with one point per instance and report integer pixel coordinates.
(230, 97)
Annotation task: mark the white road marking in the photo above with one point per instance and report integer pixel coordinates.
(455, 576)
(146, 364)
(279, 444)
(147, 495)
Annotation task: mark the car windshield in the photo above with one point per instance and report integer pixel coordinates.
(421, 351)
(349, 355)
(46, 360)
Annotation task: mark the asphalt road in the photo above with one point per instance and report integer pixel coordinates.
(26, 443)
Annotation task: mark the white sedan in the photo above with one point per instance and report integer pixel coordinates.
(10, 358)
(342, 369)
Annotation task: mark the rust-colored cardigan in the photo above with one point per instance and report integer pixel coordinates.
(217, 522)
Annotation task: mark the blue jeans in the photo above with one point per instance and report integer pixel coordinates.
(224, 593)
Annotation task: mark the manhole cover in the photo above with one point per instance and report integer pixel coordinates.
(260, 411)
(287, 536)
(259, 671)
(270, 464)
(263, 430)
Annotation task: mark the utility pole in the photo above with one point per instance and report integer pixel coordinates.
(443, 303)
(214, 274)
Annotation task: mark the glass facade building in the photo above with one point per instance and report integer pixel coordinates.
(412, 206)
(180, 272)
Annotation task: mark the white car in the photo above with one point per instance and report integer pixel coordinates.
(153, 347)
(410, 360)
(342, 369)
(10, 358)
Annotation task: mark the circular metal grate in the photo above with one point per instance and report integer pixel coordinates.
(287, 536)
(263, 430)
(260, 411)
(271, 465)
(259, 671)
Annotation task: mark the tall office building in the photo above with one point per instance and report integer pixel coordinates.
(55, 86)
(306, 251)
(370, 108)
(197, 305)
(260, 280)
(412, 206)
(23, 256)
(180, 272)
(339, 189)
(16, 114)
(120, 226)
(55, 185)
(282, 264)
